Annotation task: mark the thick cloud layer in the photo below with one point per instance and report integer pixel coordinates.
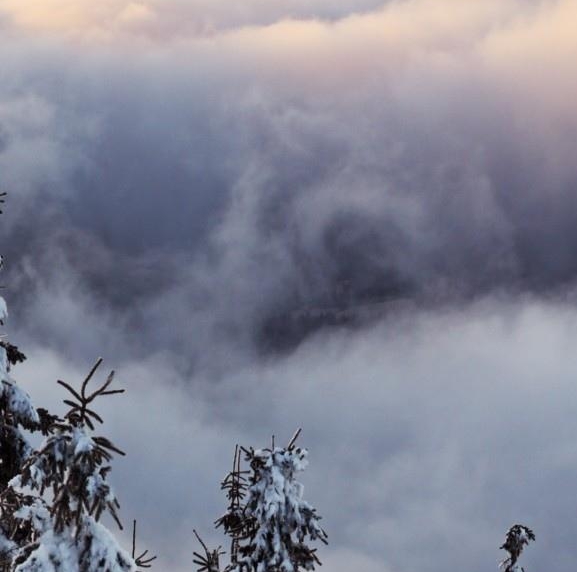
(409, 152)
(428, 437)
(194, 184)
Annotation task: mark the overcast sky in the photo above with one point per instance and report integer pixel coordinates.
(184, 173)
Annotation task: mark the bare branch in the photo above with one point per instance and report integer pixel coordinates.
(294, 438)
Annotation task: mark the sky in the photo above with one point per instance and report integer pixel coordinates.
(186, 177)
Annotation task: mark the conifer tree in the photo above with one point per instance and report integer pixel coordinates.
(51, 499)
(69, 475)
(17, 417)
(267, 519)
(16, 410)
(517, 537)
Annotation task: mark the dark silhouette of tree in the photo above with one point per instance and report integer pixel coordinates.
(518, 536)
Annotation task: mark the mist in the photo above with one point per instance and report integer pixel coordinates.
(188, 180)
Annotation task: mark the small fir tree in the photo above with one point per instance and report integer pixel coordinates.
(518, 536)
(267, 519)
(62, 529)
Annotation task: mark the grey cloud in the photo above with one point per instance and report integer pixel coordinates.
(175, 203)
(428, 436)
(250, 186)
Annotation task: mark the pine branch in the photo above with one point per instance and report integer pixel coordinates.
(141, 561)
(293, 439)
(209, 562)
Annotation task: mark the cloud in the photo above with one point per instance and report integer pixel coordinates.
(428, 436)
(187, 181)
(407, 152)
(161, 20)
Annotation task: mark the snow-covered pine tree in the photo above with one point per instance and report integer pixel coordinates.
(56, 528)
(16, 410)
(51, 499)
(17, 415)
(517, 537)
(267, 519)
